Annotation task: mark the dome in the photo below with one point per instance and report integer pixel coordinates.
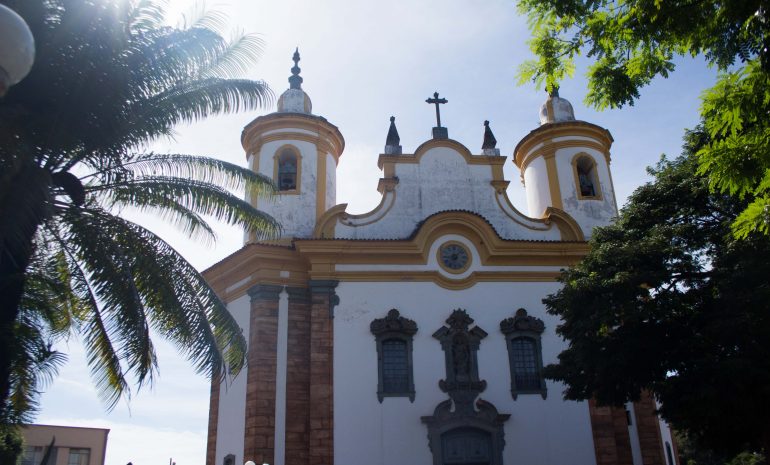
(556, 109)
(295, 100)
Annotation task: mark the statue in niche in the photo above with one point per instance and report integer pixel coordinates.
(461, 356)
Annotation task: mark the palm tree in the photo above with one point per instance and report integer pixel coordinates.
(110, 77)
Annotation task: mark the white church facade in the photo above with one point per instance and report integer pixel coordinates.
(415, 333)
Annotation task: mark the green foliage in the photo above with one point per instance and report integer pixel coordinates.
(109, 77)
(667, 301)
(634, 41)
(11, 444)
(691, 454)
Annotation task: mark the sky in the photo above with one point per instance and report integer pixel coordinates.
(363, 62)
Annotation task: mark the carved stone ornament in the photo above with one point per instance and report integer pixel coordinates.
(522, 322)
(471, 437)
(393, 322)
(460, 345)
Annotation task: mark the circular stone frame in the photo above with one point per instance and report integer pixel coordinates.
(468, 257)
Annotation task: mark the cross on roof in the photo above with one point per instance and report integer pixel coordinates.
(437, 101)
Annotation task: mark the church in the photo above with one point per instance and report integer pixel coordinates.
(415, 334)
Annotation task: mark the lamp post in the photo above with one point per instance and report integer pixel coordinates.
(17, 48)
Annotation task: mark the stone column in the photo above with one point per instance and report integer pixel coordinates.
(321, 445)
(258, 444)
(298, 378)
(648, 428)
(612, 442)
(211, 442)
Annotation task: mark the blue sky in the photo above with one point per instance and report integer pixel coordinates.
(363, 62)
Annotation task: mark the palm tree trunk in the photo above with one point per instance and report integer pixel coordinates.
(24, 195)
(13, 263)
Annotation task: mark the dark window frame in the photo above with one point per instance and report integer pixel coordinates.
(523, 326)
(394, 327)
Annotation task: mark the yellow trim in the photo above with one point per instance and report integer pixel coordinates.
(564, 129)
(387, 185)
(324, 226)
(595, 176)
(297, 153)
(448, 283)
(254, 264)
(320, 199)
(327, 136)
(317, 259)
(253, 197)
(443, 265)
(555, 146)
(387, 162)
(569, 228)
(553, 179)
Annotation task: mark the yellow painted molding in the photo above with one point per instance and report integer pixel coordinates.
(563, 129)
(387, 185)
(320, 188)
(386, 161)
(569, 228)
(328, 137)
(553, 179)
(324, 226)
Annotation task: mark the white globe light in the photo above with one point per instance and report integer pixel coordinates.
(17, 48)
(249, 463)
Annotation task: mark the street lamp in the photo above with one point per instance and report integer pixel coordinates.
(17, 48)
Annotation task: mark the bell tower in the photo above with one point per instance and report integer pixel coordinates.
(299, 151)
(565, 164)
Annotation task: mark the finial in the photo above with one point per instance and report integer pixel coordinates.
(554, 92)
(295, 80)
(392, 142)
(488, 147)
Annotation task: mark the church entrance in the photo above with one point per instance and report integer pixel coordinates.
(466, 446)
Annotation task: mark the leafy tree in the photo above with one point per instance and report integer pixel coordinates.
(634, 41)
(109, 77)
(668, 301)
(691, 454)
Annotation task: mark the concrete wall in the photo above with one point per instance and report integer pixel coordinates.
(68, 437)
(539, 432)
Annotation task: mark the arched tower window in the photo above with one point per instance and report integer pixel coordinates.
(287, 169)
(586, 179)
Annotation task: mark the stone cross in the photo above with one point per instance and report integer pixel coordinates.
(437, 101)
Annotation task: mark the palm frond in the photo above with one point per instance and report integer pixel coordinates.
(146, 15)
(165, 207)
(179, 303)
(205, 169)
(201, 197)
(104, 260)
(242, 53)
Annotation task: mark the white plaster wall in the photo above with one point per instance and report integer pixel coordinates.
(231, 423)
(441, 181)
(588, 213)
(665, 436)
(633, 433)
(536, 187)
(295, 212)
(331, 182)
(539, 432)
